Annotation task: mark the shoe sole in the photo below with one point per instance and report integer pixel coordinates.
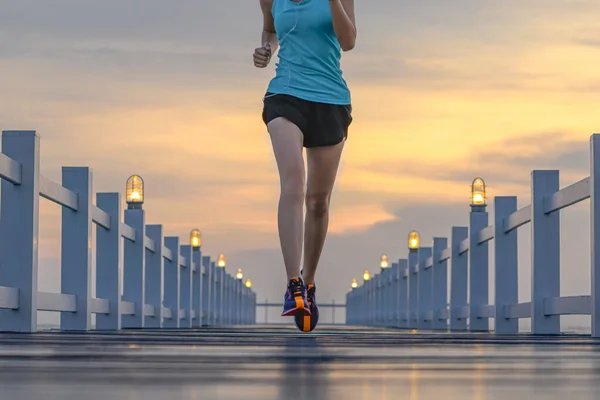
(306, 323)
(296, 311)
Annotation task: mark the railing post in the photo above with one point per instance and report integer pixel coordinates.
(425, 288)
(368, 307)
(185, 293)
(219, 296)
(206, 279)
(440, 285)
(76, 249)
(413, 287)
(214, 307)
(395, 295)
(233, 300)
(172, 277)
(196, 285)
(595, 234)
(253, 308)
(403, 295)
(248, 307)
(389, 298)
(545, 253)
(389, 305)
(478, 270)
(379, 299)
(359, 305)
(19, 227)
(458, 279)
(372, 301)
(134, 267)
(354, 313)
(154, 287)
(239, 301)
(109, 261)
(506, 266)
(225, 300)
(228, 303)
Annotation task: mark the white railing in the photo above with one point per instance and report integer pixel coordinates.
(143, 278)
(413, 293)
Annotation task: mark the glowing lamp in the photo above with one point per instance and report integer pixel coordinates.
(134, 192)
(384, 262)
(366, 275)
(414, 240)
(240, 275)
(478, 197)
(248, 283)
(221, 261)
(195, 239)
(354, 284)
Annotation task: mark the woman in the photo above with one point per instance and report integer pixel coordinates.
(307, 105)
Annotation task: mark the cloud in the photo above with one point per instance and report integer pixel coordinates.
(507, 162)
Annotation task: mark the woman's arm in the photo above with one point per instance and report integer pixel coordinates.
(268, 38)
(344, 22)
(268, 33)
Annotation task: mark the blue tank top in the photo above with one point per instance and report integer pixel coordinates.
(309, 53)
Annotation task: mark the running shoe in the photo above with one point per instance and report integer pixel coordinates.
(306, 323)
(295, 299)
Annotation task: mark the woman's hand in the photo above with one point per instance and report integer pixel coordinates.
(262, 56)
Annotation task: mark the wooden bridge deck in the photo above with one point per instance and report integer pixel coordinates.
(278, 362)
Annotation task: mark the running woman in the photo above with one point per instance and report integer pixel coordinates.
(307, 104)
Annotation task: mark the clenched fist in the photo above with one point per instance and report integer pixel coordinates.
(262, 56)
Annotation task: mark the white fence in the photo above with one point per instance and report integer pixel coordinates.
(143, 279)
(413, 293)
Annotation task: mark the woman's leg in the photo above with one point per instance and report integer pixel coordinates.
(287, 140)
(323, 165)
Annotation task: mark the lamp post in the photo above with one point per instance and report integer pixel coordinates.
(354, 284)
(478, 257)
(134, 254)
(414, 241)
(238, 298)
(368, 294)
(248, 311)
(381, 304)
(221, 265)
(196, 243)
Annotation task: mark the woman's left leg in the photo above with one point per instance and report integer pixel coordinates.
(322, 164)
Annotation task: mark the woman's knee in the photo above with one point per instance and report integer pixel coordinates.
(292, 186)
(317, 203)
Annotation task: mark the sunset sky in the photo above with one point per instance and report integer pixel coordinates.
(442, 92)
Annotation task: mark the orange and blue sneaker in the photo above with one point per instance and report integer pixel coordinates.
(294, 302)
(306, 323)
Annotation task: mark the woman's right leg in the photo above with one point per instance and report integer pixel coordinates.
(287, 141)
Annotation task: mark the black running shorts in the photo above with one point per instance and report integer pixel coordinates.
(321, 124)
